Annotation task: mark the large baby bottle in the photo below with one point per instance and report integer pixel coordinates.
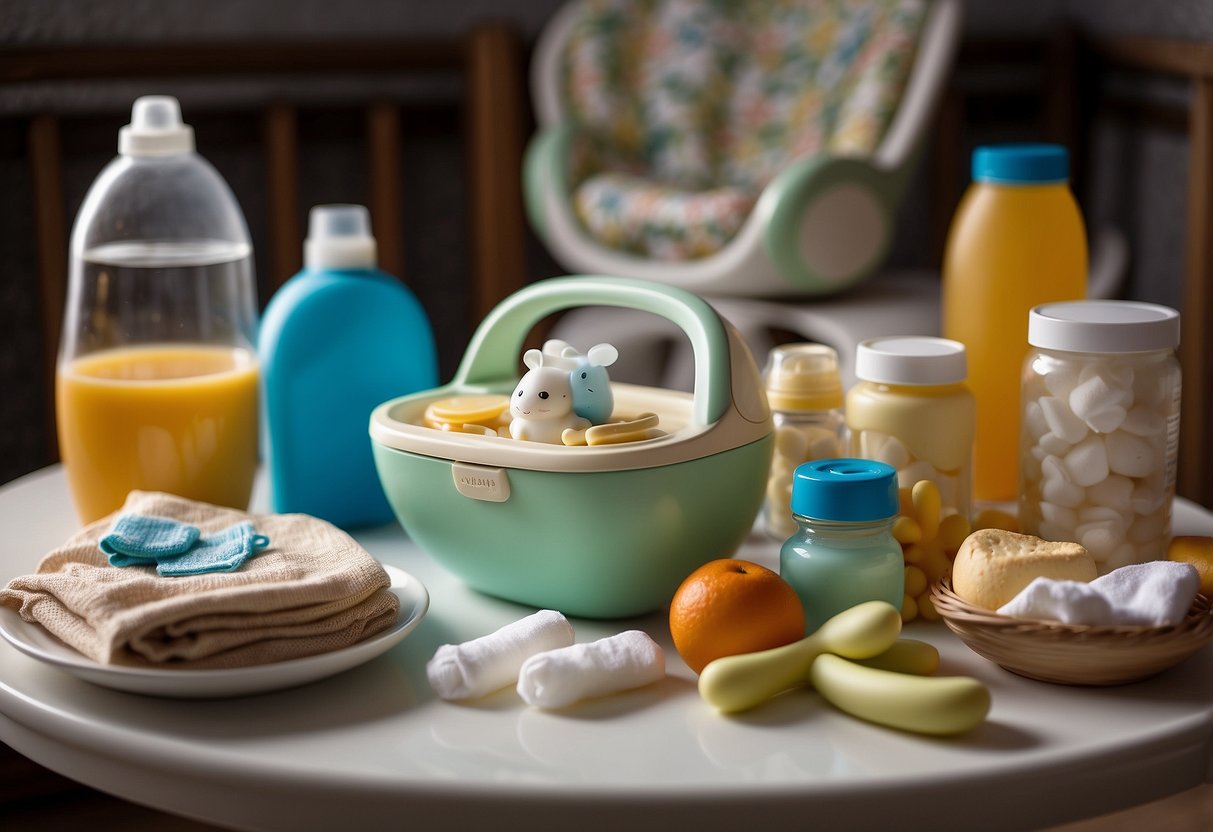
(1017, 241)
(337, 340)
(156, 384)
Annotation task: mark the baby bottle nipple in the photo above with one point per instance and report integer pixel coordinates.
(803, 377)
(339, 237)
(156, 128)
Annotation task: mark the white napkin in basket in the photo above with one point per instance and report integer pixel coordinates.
(1155, 594)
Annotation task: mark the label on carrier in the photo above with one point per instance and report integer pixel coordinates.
(489, 484)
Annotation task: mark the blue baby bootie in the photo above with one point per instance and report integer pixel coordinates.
(223, 551)
(141, 539)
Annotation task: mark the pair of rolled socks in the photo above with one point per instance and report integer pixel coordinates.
(1155, 594)
(550, 670)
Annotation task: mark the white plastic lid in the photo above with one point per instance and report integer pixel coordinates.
(339, 237)
(1103, 326)
(911, 360)
(156, 128)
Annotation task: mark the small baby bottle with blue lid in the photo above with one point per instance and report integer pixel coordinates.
(843, 552)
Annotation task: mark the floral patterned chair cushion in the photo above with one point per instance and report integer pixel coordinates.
(686, 109)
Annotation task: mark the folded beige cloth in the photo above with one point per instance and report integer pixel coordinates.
(312, 590)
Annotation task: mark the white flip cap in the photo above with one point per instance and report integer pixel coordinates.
(156, 129)
(339, 237)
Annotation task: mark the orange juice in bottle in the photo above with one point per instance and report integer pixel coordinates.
(156, 384)
(174, 418)
(1017, 240)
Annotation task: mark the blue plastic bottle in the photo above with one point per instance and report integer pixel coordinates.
(338, 339)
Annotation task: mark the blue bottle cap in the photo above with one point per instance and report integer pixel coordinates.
(846, 490)
(1021, 164)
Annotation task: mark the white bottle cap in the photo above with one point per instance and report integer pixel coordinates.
(156, 129)
(911, 360)
(339, 237)
(1103, 326)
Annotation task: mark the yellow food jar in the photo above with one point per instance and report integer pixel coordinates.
(913, 410)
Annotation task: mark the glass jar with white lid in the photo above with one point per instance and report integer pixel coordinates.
(1100, 428)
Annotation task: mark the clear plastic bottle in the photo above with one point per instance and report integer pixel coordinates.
(843, 552)
(1100, 438)
(912, 410)
(1017, 240)
(804, 391)
(337, 340)
(156, 384)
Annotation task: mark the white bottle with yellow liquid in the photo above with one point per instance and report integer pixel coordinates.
(156, 384)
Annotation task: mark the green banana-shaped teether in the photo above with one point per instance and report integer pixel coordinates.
(737, 683)
(927, 705)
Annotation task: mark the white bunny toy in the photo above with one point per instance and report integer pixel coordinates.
(542, 403)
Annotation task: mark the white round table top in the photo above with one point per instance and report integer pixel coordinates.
(373, 747)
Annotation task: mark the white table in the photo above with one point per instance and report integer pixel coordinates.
(374, 748)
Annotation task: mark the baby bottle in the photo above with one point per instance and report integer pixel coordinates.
(804, 391)
(1101, 395)
(337, 340)
(1017, 240)
(912, 410)
(843, 552)
(156, 382)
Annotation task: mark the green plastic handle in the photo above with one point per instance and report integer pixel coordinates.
(495, 349)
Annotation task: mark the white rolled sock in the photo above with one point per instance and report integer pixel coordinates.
(567, 675)
(483, 665)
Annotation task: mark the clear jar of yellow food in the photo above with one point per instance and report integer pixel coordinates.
(913, 410)
(804, 390)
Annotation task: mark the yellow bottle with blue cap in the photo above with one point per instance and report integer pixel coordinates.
(843, 552)
(1018, 240)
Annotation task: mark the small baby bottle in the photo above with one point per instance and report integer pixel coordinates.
(844, 552)
(805, 393)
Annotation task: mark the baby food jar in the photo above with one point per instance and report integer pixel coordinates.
(913, 410)
(804, 391)
(843, 552)
(1100, 435)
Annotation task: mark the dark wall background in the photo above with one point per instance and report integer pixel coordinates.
(1136, 182)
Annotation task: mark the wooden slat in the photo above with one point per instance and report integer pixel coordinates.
(494, 131)
(1179, 57)
(46, 167)
(1196, 453)
(282, 170)
(186, 60)
(384, 203)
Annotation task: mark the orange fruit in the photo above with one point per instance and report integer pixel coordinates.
(730, 606)
(1197, 551)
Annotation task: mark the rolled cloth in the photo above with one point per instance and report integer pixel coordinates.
(311, 591)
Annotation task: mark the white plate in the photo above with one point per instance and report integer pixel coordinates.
(34, 640)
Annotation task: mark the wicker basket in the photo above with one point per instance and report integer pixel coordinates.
(1074, 654)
